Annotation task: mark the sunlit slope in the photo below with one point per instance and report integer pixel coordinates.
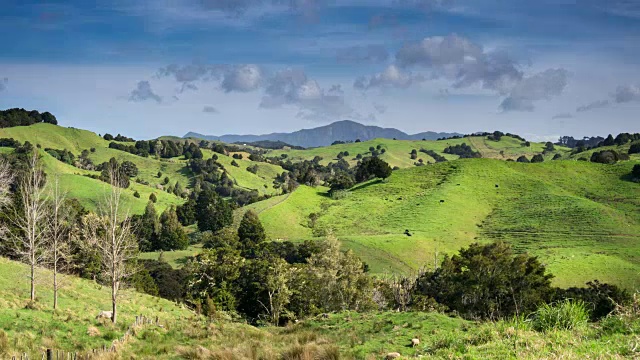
(55, 137)
(398, 152)
(583, 219)
(79, 302)
(90, 192)
(262, 181)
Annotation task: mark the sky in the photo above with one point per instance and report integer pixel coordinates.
(146, 68)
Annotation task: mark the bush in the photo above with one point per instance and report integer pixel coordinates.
(566, 315)
(537, 158)
(634, 149)
(517, 282)
(601, 299)
(636, 171)
(136, 194)
(153, 198)
(522, 159)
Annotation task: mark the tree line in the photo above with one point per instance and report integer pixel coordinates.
(21, 117)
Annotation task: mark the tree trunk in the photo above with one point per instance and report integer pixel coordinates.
(114, 291)
(33, 280)
(55, 283)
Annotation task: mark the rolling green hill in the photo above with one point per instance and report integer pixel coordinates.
(90, 191)
(398, 152)
(581, 218)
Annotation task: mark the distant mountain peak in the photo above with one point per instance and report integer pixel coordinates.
(342, 130)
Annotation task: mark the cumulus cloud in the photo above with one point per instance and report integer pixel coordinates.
(242, 78)
(465, 63)
(210, 109)
(3, 83)
(593, 105)
(392, 76)
(622, 94)
(541, 86)
(143, 92)
(359, 54)
(294, 88)
(459, 59)
(562, 116)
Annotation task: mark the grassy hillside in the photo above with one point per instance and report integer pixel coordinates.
(68, 327)
(581, 218)
(261, 181)
(90, 191)
(398, 152)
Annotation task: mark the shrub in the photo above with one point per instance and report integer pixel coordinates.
(557, 157)
(636, 171)
(601, 299)
(537, 158)
(518, 282)
(136, 194)
(153, 198)
(522, 159)
(634, 149)
(565, 315)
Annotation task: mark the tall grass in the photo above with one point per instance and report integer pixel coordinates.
(565, 315)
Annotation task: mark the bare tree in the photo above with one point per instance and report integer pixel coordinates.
(112, 233)
(59, 232)
(29, 219)
(6, 179)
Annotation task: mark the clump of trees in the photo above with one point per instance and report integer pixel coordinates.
(162, 148)
(372, 167)
(65, 156)
(437, 157)
(608, 157)
(463, 150)
(21, 117)
(124, 171)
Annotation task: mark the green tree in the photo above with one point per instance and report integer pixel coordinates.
(548, 146)
(212, 212)
(488, 281)
(372, 167)
(213, 274)
(172, 236)
(341, 181)
(178, 190)
(187, 212)
(251, 234)
(147, 227)
(153, 198)
(634, 149)
(537, 158)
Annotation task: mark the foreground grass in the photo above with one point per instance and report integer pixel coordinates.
(346, 335)
(73, 326)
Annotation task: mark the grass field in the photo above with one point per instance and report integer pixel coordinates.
(398, 152)
(581, 218)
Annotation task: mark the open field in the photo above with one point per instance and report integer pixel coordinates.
(581, 218)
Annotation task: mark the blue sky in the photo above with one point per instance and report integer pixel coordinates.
(147, 68)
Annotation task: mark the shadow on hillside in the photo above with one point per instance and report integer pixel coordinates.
(630, 178)
(366, 185)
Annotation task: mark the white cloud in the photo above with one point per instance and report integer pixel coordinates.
(242, 78)
(392, 76)
(541, 86)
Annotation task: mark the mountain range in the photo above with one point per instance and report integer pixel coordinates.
(345, 130)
